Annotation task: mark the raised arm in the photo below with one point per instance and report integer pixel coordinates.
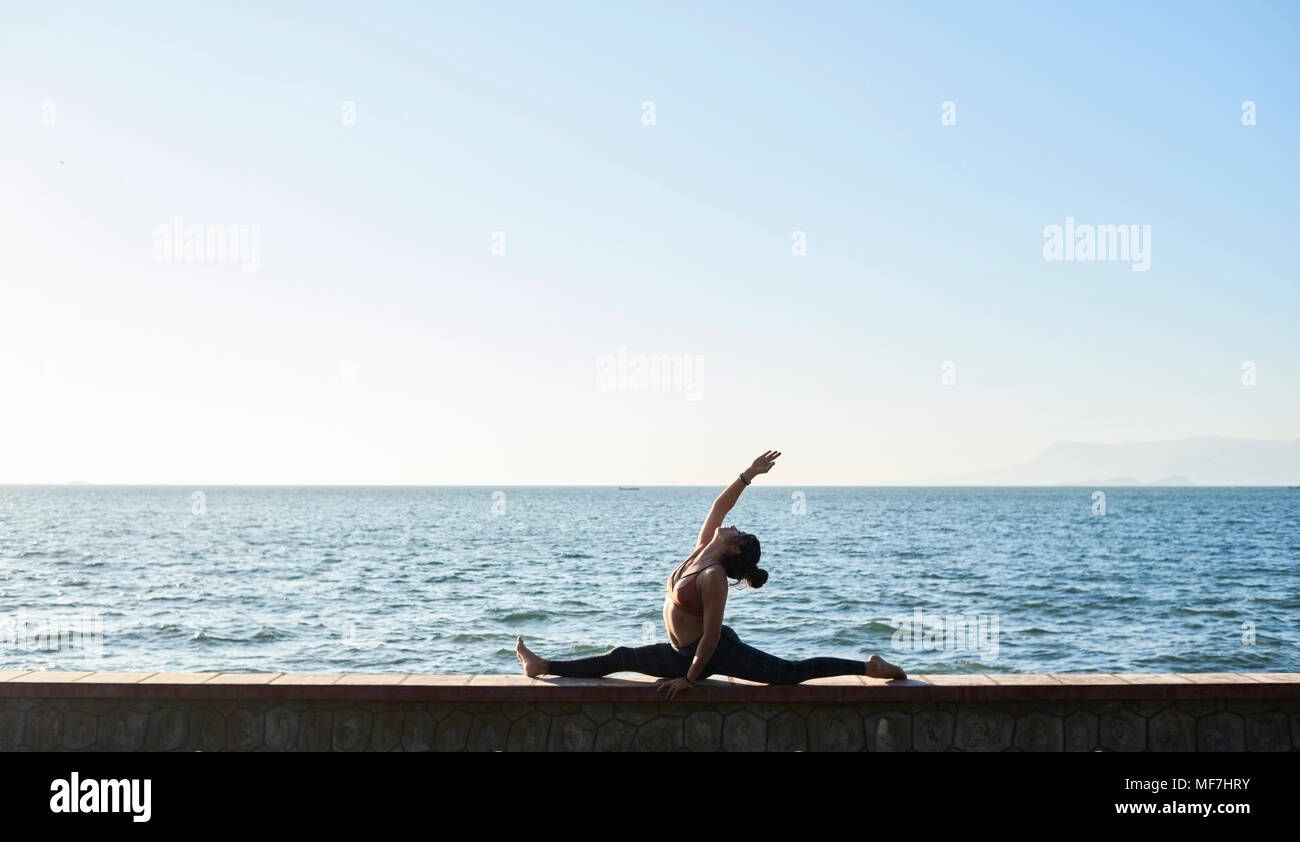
(727, 499)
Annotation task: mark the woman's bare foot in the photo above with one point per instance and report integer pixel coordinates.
(533, 665)
(878, 667)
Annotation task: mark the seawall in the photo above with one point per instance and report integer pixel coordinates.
(83, 711)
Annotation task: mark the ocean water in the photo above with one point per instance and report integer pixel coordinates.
(442, 579)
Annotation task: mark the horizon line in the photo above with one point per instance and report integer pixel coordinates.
(79, 484)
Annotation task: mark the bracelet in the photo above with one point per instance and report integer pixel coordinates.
(689, 683)
(742, 477)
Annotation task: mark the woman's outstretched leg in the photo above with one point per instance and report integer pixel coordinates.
(740, 660)
(659, 659)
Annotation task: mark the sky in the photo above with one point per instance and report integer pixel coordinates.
(469, 229)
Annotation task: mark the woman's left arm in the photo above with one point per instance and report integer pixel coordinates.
(727, 499)
(713, 593)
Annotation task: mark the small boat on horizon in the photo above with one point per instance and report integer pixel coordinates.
(628, 488)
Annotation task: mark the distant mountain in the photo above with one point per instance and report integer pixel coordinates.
(1109, 481)
(1206, 460)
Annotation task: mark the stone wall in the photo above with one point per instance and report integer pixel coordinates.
(507, 713)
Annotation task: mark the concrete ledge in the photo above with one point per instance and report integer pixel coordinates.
(85, 711)
(496, 688)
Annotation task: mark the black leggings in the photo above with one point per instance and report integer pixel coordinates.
(731, 657)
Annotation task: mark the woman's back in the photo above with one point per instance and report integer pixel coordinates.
(683, 604)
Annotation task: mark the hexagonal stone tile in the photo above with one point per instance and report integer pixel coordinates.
(571, 732)
(1222, 731)
(79, 729)
(315, 730)
(1081, 731)
(244, 729)
(418, 730)
(1171, 730)
(43, 729)
(11, 729)
(351, 729)
(932, 730)
(490, 732)
(744, 731)
(787, 732)
(123, 730)
(166, 730)
(703, 730)
(1039, 732)
(1264, 732)
(983, 729)
(835, 729)
(1122, 730)
(281, 725)
(888, 731)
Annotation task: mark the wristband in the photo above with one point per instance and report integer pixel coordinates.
(742, 477)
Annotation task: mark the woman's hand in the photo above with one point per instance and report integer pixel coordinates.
(672, 687)
(764, 463)
(731, 493)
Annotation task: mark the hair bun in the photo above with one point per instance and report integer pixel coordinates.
(757, 577)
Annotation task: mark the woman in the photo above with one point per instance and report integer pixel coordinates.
(693, 607)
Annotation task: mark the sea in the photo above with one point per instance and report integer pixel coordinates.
(442, 579)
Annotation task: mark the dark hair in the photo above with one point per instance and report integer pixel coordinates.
(744, 564)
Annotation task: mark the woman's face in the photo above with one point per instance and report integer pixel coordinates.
(729, 535)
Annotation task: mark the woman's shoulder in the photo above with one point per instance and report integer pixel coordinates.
(714, 572)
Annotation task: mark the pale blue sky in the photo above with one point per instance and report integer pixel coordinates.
(380, 339)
